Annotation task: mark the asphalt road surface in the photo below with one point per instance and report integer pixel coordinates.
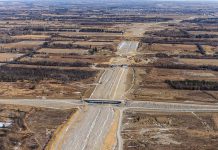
(111, 84)
(89, 129)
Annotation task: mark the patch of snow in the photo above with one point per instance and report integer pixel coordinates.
(5, 124)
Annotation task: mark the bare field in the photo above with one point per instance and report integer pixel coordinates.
(170, 48)
(5, 57)
(62, 42)
(43, 89)
(92, 34)
(22, 45)
(63, 51)
(138, 29)
(171, 95)
(87, 43)
(199, 61)
(154, 130)
(31, 37)
(67, 58)
(29, 127)
(153, 82)
(210, 49)
(17, 81)
(203, 32)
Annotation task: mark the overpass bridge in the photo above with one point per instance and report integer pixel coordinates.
(104, 101)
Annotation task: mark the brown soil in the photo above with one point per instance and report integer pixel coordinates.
(169, 131)
(31, 127)
(150, 85)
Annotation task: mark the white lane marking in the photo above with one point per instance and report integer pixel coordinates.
(106, 87)
(97, 85)
(107, 76)
(112, 84)
(78, 134)
(103, 127)
(118, 84)
(90, 130)
(121, 45)
(129, 48)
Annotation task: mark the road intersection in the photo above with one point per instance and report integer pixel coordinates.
(88, 130)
